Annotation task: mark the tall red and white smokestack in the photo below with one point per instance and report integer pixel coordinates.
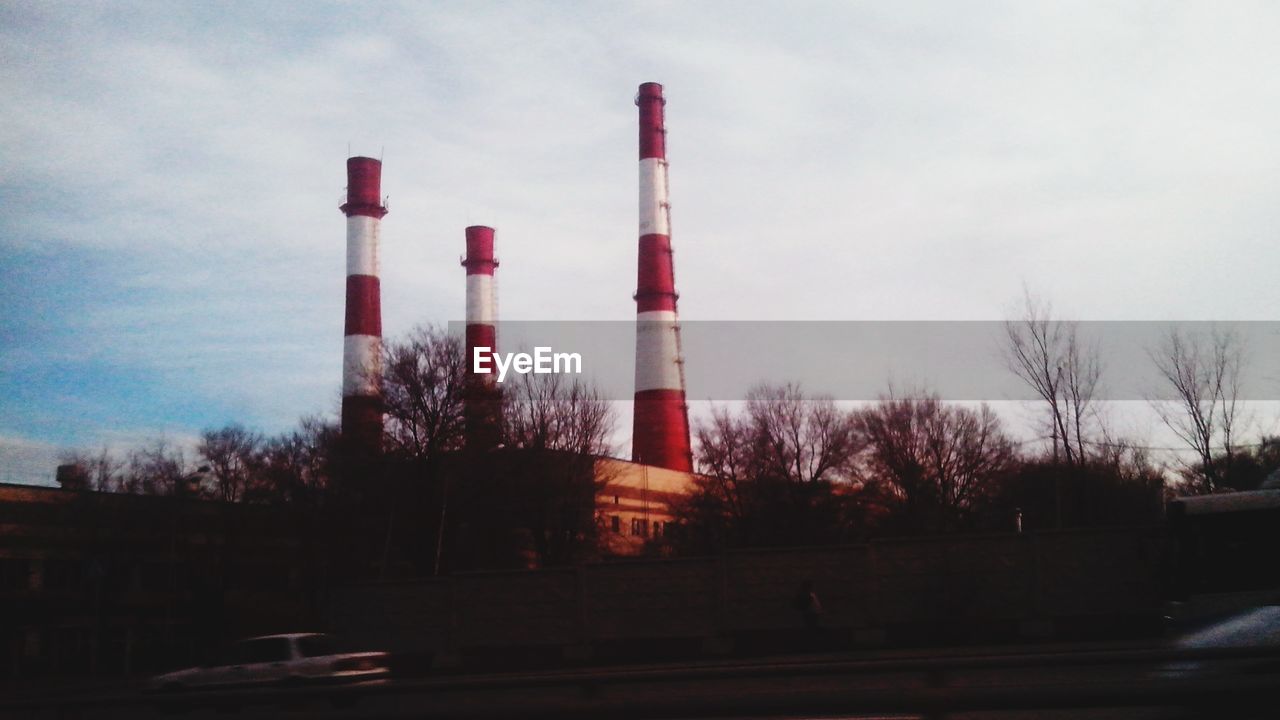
(482, 399)
(660, 434)
(362, 347)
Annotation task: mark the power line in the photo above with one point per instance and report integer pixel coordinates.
(1131, 446)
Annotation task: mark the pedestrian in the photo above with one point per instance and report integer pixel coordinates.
(810, 607)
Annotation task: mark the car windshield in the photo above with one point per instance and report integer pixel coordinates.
(260, 650)
(316, 645)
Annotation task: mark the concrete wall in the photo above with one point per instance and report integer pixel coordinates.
(866, 590)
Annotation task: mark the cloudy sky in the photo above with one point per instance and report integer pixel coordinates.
(172, 256)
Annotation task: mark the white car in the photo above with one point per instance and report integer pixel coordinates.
(295, 658)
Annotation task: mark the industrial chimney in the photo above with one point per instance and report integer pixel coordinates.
(362, 347)
(483, 400)
(660, 434)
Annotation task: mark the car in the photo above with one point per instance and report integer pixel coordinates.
(287, 659)
(1257, 628)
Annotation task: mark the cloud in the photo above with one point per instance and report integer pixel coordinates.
(172, 175)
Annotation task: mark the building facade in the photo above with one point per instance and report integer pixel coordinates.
(100, 584)
(635, 503)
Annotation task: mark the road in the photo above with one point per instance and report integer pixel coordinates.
(1072, 683)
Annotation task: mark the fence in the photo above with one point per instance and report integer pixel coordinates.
(902, 590)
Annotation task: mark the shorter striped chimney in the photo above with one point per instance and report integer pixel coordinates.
(483, 400)
(362, 345)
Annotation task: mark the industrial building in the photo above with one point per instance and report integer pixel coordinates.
(634, 504)
(95, 583)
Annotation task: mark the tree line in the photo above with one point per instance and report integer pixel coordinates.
(789, 469)
(786, 468)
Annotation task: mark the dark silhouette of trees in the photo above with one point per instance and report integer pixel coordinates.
(785, 469)
(783, 434)
(157, 467)
(802, 440)
(539, 490)
(522, 508)
(236, 464)
(296, 465)
(447, 506)
(1117, 487)
(777, 474)
(423, 385)
(794, 470)
(235, 459)
(553, 412)
(940, 462)
(903, 465)
(1244, 468)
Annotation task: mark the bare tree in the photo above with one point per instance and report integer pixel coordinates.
(296, 464)
(774, 472)
(940, 460)
(234, 455)
(783, 434)
(550, 412)
(424, 380)
(725, 455)
(533, 502)
(1049, 356)
(1204, 373)
(799, 438)
(155, 468)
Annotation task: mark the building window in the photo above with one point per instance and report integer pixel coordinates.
(657, 529)
(615, 523)
(615, 499)
(639, 527)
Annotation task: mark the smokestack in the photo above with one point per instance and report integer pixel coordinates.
(362, 346)
(483, 401)
(660, 434)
